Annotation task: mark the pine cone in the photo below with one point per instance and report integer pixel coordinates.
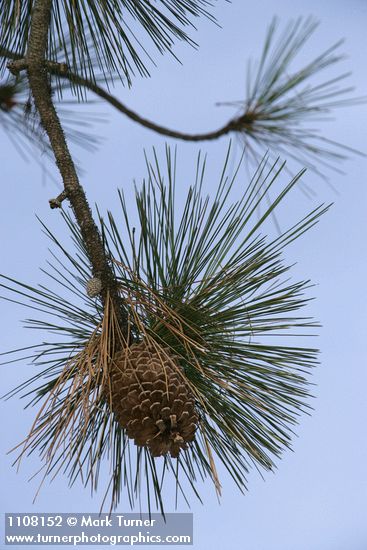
(152, 400)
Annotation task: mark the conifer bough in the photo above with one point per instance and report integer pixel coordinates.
(198, 380)
(167, 343)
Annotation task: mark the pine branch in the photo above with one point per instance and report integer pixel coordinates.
(39, 85)
(279, 106)
(61, 70)
(203, 281)
(18, 64)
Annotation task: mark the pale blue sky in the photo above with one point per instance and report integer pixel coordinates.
(317, 498)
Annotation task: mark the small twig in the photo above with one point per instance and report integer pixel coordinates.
(56, 203)
(62, 70)
(17, 65)
(59, 69)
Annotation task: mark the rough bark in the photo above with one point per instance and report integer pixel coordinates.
(39, 85)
